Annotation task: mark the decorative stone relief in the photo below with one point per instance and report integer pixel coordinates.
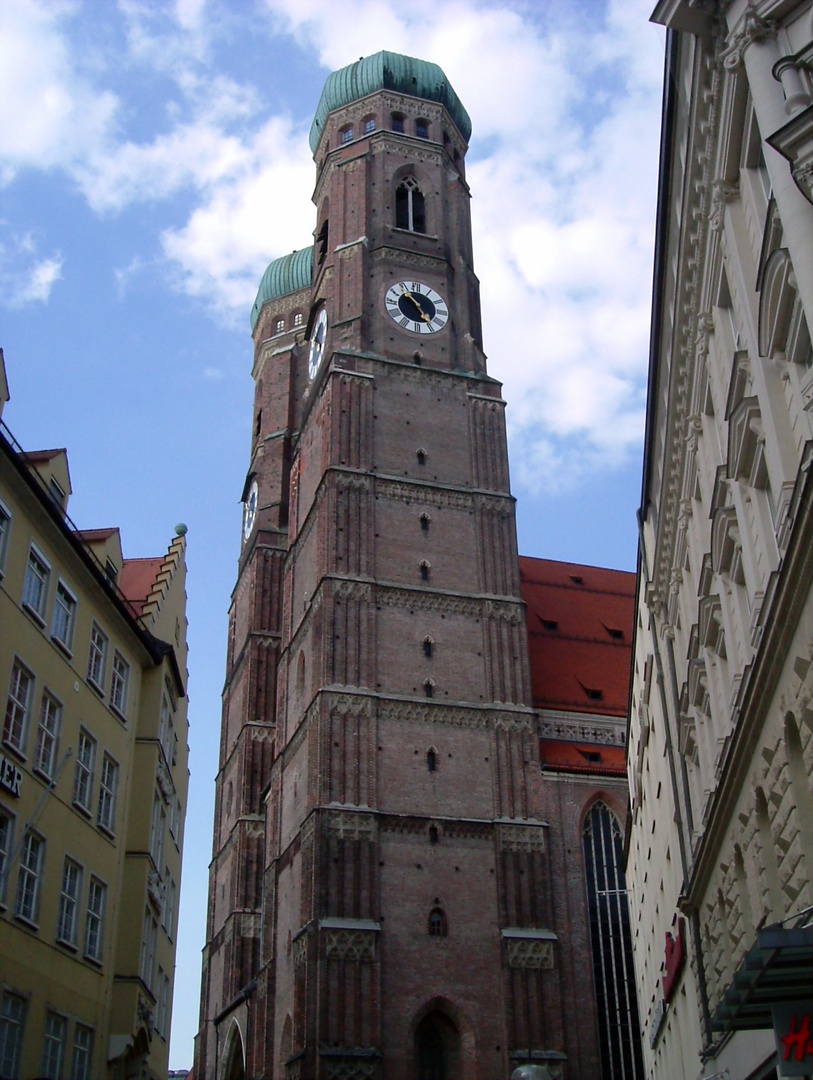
(300, 950)
(754, 27)
(165, 785)
(434, 714)
(351, 825)
(348, 705)
(145, 1014)
(346, 481)
(512, 722)
(423, 494)
(348, 944)
(609, 732)
(351, 1069)
(529, 953)
(308, 828)
(351, 590)
(722, 193)
(428, 601)
(154, 889)
(501, 609)
(425, 262)
(524, 837)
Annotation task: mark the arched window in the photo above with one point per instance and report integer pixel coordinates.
(437, 923)
(410, 209)
(300, 671)
(424, 568)
(398, 123)
(433, 834)
(611, 942)
(427, 646)
(422, 129)
(432, 759)
(429, 688)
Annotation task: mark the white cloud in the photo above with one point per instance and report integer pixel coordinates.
(26, 277)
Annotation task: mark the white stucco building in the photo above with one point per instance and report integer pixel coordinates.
(721, 734)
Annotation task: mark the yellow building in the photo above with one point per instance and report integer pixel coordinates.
(93, 784)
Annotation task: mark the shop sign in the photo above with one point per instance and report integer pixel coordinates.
(793, 1031)
(11, 777)
(658, 1017)
(674, 960)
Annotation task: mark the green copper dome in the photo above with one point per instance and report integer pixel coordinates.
(286, 275)
(388, 71)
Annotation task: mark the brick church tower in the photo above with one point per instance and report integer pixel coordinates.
(381, 898)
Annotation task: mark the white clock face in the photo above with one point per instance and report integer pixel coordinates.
(250, 509)
(317, 346)
(416, 307)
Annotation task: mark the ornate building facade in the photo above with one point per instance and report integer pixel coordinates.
(721, 732)
(93, 783)
(389, 886)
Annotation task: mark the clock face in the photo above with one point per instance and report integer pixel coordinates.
(250, 510)
(416, 307)
(317, 346)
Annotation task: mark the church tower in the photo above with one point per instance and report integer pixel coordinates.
(380, 893)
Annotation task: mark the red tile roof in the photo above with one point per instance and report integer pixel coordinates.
(581, 757)
(44, 455)
(137, 579)
(580, 621)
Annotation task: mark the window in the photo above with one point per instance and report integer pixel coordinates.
(29, 878)
(427, 646)
(608, 908)
(82, 1052)
(64, 619)
(279, 326)
(170, 899)
(48, 735)
(108, 789)
(148, 943)
(432, 759)
(18, 707)
(67, 926)
(159, 818)
(347, 135)
(5, 530)
(53, 1046)
(12, 1021)
(161, 1008)
(119, 684)
(422, 129)
(6, 844)
(166, 730)
(85, 768)
(175, 817)
(369, 125)
(437, 923)
(35, 586)
(424, 570)
(299, 319)
(429, 688)
(433, 834)
(398, 123)
(94, 922)
(97, 658)
(410, 208)
(425, 522)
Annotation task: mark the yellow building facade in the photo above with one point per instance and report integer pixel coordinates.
(93, 785)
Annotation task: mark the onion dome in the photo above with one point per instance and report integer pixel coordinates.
(288, 274)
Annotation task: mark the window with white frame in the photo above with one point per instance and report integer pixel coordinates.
(166, 732)
(299, 319)
(158, 827)
(6, 844)
(53, 1046)
(29, 877)
(161, 1007)
(94, 920)
(48, 731)
(120, 683)
(82, 1052)
(174, 817)
(85, 768)
(35, 586)
(5, 532)
(108, 791)
(18, 707)
(97, 657)
(148, 944)
(64, 619)
(67, 926)
(410, 206)
(12, 1024)
(170, 900)
(279, 326)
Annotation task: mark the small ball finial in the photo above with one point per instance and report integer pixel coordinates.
(181, 529)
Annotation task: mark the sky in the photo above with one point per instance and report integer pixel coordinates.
(154, 158)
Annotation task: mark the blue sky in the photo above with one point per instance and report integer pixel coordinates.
(154, 159)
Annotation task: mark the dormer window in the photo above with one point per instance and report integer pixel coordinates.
(346, 135)
(410, 207)
(422, 129)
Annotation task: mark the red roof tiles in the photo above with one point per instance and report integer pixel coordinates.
(137, 579)
(580, 621)
(582, 757)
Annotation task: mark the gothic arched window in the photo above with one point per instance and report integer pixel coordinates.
(612, 945)
(437, 923)
(410, 208)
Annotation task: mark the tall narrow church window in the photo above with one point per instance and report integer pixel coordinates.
(424, 571)
(431, 759)
(611, 942)
(427, 646)
(425, 522)
(321, 242)
(410, 208)
(433, 834)
(437, 923)
(429, 688)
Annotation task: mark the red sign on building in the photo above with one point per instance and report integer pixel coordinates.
(674, 959)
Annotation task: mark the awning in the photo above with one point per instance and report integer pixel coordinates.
(779, 967)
